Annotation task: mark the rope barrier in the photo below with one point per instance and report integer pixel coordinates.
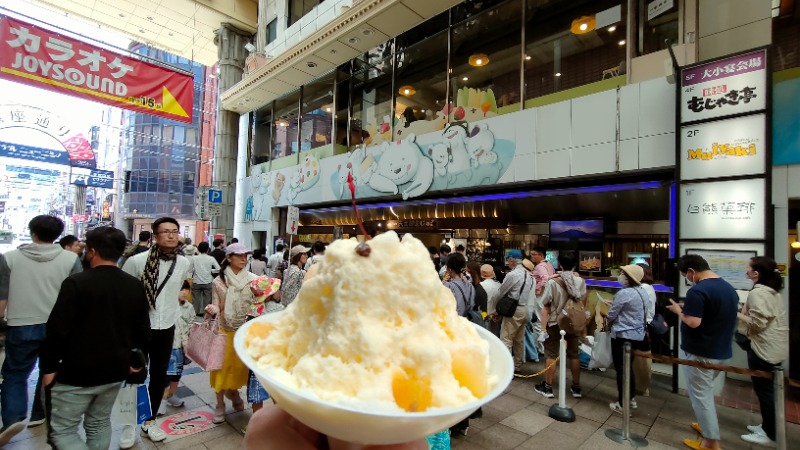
(548, 367)
(720, 367)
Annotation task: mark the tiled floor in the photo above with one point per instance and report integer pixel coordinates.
(739, 394)
(516, 420)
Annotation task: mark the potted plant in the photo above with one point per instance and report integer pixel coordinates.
(614, 269)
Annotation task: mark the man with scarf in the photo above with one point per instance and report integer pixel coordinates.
(162, 270)
(559, 288)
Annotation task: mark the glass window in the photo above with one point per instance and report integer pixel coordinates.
(299, 8)
(317, 119)
(262, 136)
(485, 60)
(786, 39)
(421, 83)
(655, 27)
(372, 96)
(272, 30)
(284, 128)
(567, 47)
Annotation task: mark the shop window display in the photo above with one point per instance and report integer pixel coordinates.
(371, 96)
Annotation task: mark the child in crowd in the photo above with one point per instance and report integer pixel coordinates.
(178, 358)
(264, 289)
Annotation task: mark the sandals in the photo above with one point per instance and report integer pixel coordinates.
(236, 400)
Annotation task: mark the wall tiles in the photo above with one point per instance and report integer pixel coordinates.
(594, 118)
(657, 151)
(553, 123)
(629, 111)
(656, 107)
(592, 159)
(553, 164)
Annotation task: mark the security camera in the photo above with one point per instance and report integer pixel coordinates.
(250, 47)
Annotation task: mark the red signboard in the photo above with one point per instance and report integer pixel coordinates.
(41, 58)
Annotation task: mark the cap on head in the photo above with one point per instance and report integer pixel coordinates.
(237, 249)
(514, 254)
(634, 272)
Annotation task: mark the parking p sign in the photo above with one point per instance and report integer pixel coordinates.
(214, 196)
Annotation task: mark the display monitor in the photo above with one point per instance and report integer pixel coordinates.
(590, 261)
(589, 230)
(640, 258)
(552, 256)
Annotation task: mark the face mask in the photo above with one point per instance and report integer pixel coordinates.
(622, 279)
(691, 283)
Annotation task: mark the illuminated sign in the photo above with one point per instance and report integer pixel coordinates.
(724, 148)
(723, 210)
(41, 58)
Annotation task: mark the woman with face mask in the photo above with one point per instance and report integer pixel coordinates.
(763, 321)
(628, 318)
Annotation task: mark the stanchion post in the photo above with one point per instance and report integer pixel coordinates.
(624, 434)
(780, 412)
(561, 412)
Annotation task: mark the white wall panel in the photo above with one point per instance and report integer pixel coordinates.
(594, 118)
(629, 111)
(629, 154)
(555, 164)
(524, 169)
(593, 159)
(553, 126)
(656, 107)
(657, 151)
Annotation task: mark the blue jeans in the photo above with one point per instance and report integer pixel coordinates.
(68, 405)
(22, 350)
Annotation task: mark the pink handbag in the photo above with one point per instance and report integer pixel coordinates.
(207, 345)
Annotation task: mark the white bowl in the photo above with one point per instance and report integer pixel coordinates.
(374, 427)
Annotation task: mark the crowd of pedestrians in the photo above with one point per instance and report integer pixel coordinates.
(135, 305)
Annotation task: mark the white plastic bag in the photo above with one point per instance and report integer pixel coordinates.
(601, 351)
(126, 404)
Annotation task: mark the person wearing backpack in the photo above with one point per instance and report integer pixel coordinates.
(627, 316)
(563, 308)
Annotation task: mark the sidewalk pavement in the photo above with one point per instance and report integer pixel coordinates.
(516, 420)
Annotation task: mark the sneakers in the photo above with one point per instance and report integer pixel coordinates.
(7, 433)
(758, 438)
(175, 401)
(544, 389)
(575, 390)
(617, 407)
(236, 400)
(460, 430)
(153, 432)
(162, 408)
(758, 429)
(128, 437)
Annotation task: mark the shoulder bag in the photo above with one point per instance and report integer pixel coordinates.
(471, 313)
(207, 344)
(507, 305)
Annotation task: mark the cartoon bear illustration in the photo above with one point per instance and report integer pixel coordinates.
(280, 181)
(480, 144)
(304, 177)
(402, 165)
(455, 136)
(441, 156)
(360, 165)
(259, 184)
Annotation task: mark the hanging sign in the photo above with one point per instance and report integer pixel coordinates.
(724, 148)
(44, 59)
(723, 210)
(292, 220)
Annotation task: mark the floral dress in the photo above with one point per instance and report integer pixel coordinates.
(292, 281)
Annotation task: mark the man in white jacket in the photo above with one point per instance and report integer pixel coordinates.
(30, 278)
(162, 269)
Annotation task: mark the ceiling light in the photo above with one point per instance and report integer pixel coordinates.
(407, 90)
(170, 34)
(558, 74)
(367, 32)
(150, 18)
(479, 60)
(465, 79)
(311, 64)
(612, 28)
(622, 42)
(353, 40)
(121, 15)
(795, 244)
(141, 31)
(327, 110)
(583, 25)
(527, 57)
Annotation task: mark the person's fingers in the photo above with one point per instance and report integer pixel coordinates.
(271, 428)
(336, 444)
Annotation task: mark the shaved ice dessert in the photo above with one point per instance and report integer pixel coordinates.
(375, 330)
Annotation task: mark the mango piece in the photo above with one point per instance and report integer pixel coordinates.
(411, 393)
(470, 371)
(258, 330)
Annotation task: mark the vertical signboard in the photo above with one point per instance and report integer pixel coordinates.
(292, 220)
(723, 148)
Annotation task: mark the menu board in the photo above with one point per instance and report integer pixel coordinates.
(729, 265)
(724, 148)
(733, 85)
(723, 210)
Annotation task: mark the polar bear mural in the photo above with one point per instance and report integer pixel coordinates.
(304, 177)
(403, 169)
(455, 136)
(360, 165)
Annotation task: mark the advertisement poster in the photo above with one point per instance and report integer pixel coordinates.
(725, 87)
(724, 148)
(729, 265)
(590, 261)
(93, 178)
(723, 210)
(44, 59)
